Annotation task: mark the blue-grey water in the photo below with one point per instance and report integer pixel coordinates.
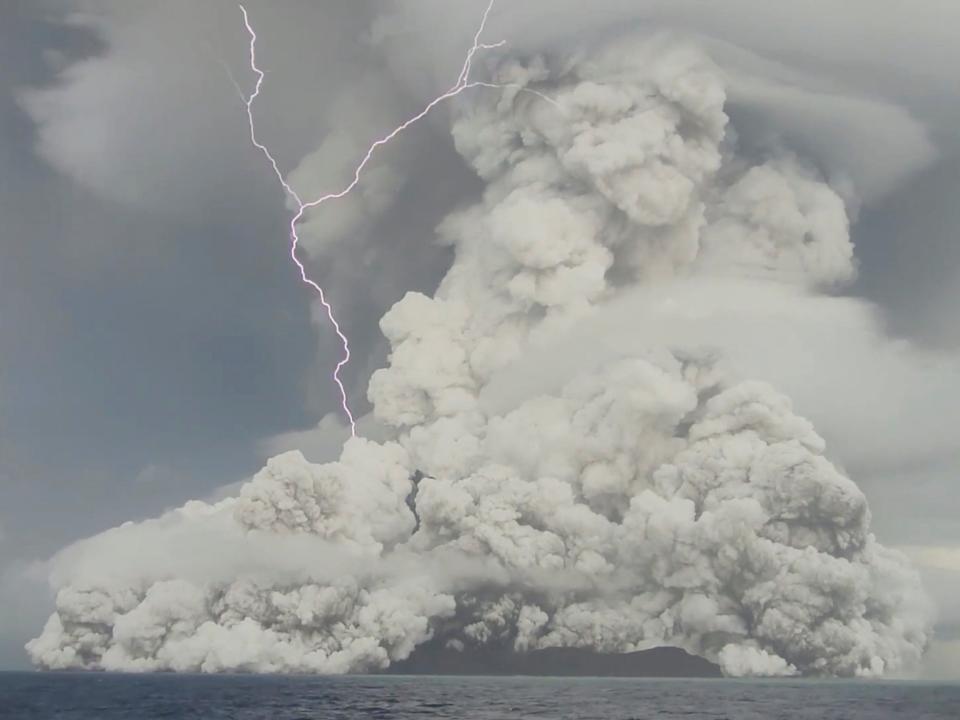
(26, 696)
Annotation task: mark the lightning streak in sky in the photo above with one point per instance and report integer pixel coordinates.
(463, 83)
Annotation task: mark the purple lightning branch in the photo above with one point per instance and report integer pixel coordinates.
(462, 84)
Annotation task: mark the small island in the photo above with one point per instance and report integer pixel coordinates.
(434, 659)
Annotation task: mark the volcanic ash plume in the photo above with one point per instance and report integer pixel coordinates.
(648, 499)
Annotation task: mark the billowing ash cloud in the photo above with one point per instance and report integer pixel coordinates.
(651, 499)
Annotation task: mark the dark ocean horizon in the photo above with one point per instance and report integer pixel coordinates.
(108, 696)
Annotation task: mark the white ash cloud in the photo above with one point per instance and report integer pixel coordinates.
(649, 499)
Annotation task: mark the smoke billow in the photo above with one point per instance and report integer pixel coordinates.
(648, 499)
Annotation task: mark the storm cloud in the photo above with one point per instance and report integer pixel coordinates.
(650, 494)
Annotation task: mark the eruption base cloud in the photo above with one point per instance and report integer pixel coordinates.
(647, 499)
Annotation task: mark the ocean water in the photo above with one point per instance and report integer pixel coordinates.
(26, 696)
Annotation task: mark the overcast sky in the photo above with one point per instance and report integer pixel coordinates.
(155, 343)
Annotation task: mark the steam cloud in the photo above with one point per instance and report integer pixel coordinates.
(648, 500)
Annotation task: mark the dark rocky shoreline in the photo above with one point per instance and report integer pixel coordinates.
(432, 659)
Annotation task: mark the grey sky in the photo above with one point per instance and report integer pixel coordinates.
(153, 337)
(107, 314)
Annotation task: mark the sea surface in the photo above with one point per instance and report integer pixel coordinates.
(25, 696)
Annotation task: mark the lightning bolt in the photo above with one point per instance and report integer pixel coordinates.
(463, 83)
